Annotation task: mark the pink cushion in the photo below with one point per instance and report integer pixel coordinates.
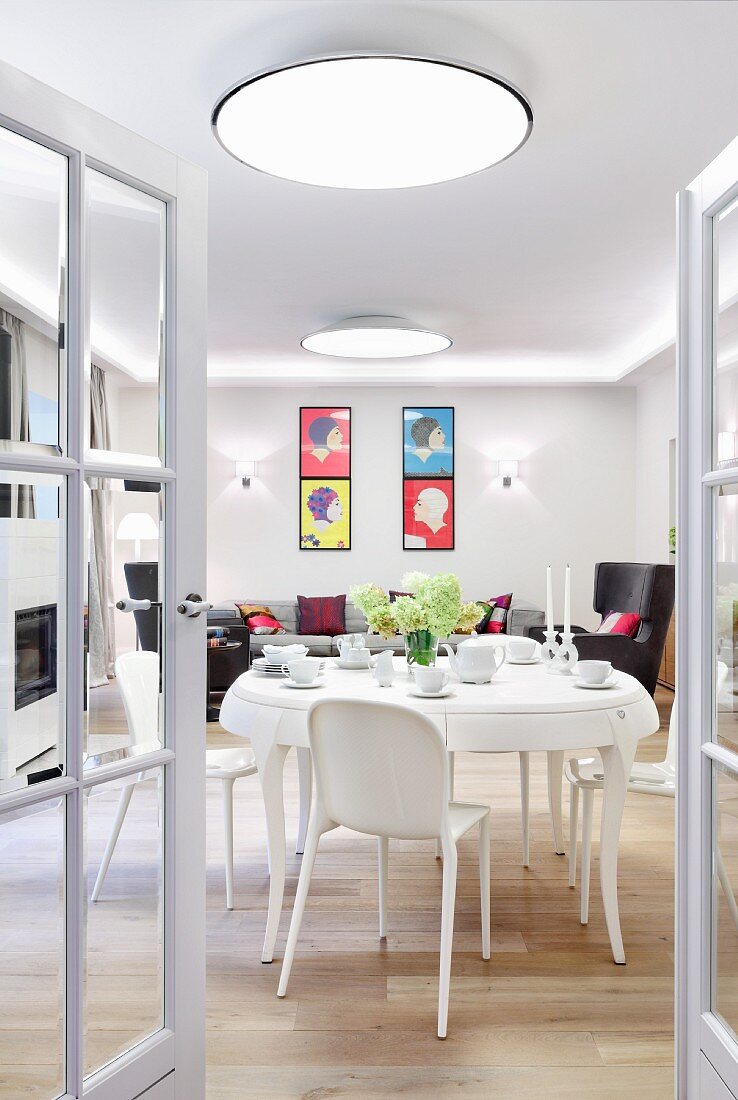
(264, 624)
(620, 622)
(496, 621)
(321, 615)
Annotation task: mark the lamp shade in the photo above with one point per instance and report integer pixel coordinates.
(137, 526)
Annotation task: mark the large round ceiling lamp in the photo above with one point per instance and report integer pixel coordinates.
(372, 121)
(375, 338)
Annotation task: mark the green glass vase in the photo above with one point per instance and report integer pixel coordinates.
(421, 648)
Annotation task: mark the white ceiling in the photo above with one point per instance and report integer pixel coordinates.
(557, 264)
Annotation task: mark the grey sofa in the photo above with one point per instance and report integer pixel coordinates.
(522, 617)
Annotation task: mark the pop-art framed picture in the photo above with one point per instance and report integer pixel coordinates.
(325, 513)
(428, 442)
(428, 513)
(325, 478)
(428, 478)
(325, 442)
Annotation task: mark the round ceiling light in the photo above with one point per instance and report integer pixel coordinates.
(372, 121)
(375, 338)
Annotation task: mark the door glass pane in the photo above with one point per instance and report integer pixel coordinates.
(725, 907)
(127, 249)
(726, 616)
(33, 243)
(32, 952)
(32, 627)
(124, 527)
(725, 443)
(124, 990)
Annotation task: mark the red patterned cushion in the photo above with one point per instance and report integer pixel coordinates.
(620, 622)
(321, 615)
(496, 621)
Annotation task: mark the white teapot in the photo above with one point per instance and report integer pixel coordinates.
(475, 661)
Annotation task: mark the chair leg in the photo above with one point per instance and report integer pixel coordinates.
(573, 831)
(308, 862)
(525, 804)
(451, 781)
(228, 827)
(555, 764)
(120, 814)
(383, 859)
(587, 803)
(450, 861)
(484, 883)
(305, 776)
(726, 885)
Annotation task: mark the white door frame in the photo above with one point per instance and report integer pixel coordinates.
(707, 1054)
(88, 139)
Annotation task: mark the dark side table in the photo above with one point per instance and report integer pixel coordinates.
(212, 714)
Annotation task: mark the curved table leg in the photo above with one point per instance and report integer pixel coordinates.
(305, 774)
(617, 761)
(555, 765)
(270, 760)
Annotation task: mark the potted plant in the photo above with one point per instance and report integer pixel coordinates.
(432, 609)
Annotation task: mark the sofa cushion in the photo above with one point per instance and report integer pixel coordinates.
(495, 622)
(320, 645)
(620, 622)
(321, 615)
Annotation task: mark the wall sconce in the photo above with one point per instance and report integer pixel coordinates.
(507, 468)
(726, 448)
(246, 469)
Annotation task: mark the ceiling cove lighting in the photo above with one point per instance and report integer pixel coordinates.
(375, 338)
(372, 121)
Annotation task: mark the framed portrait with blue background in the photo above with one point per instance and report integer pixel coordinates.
(428, 442)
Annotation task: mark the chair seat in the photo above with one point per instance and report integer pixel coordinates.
(652, 778)
(462, 815)
(229, 763)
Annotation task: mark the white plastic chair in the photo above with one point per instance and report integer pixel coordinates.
(137, 676)
(382, 769)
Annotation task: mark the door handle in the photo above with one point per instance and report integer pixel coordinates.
(193, 606)
(133, 605)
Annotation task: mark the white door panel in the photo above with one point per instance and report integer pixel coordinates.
(102, 490)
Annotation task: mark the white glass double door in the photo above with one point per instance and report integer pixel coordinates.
(707, 602)
(102, 537)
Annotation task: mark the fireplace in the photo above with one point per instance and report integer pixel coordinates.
(35, 654)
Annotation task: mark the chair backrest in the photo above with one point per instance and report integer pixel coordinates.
(142, 579)
(380, 768)
(632, 586)
(137, 675)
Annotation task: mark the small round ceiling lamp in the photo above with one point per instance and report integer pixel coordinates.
(372, 121)
(375, 338)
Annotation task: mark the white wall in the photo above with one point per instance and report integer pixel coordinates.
(655, 428)
(573, 501)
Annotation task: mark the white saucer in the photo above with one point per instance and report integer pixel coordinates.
(448, 690)
(610, 682)
(351, 668)
(524, 660)
(271, 673)
(301, 687)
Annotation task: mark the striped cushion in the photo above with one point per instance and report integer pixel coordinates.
(620, 622)
(496, 621)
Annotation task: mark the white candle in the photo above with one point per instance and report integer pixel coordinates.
(567, 601)
(549, 600)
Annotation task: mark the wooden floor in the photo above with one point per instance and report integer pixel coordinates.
(549, 1014)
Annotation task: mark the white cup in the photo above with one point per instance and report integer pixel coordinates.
(522, 649)
(303, 670)
(594, 672)
(357, 658)
(430, 679)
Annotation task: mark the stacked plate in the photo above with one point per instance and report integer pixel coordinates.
(268, 667)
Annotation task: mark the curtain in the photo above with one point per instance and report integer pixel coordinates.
(23, 506)
(100, 587)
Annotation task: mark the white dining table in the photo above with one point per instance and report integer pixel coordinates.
(523, 709)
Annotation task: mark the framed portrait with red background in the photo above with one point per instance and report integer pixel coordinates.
(325, 442)
(428, 513)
